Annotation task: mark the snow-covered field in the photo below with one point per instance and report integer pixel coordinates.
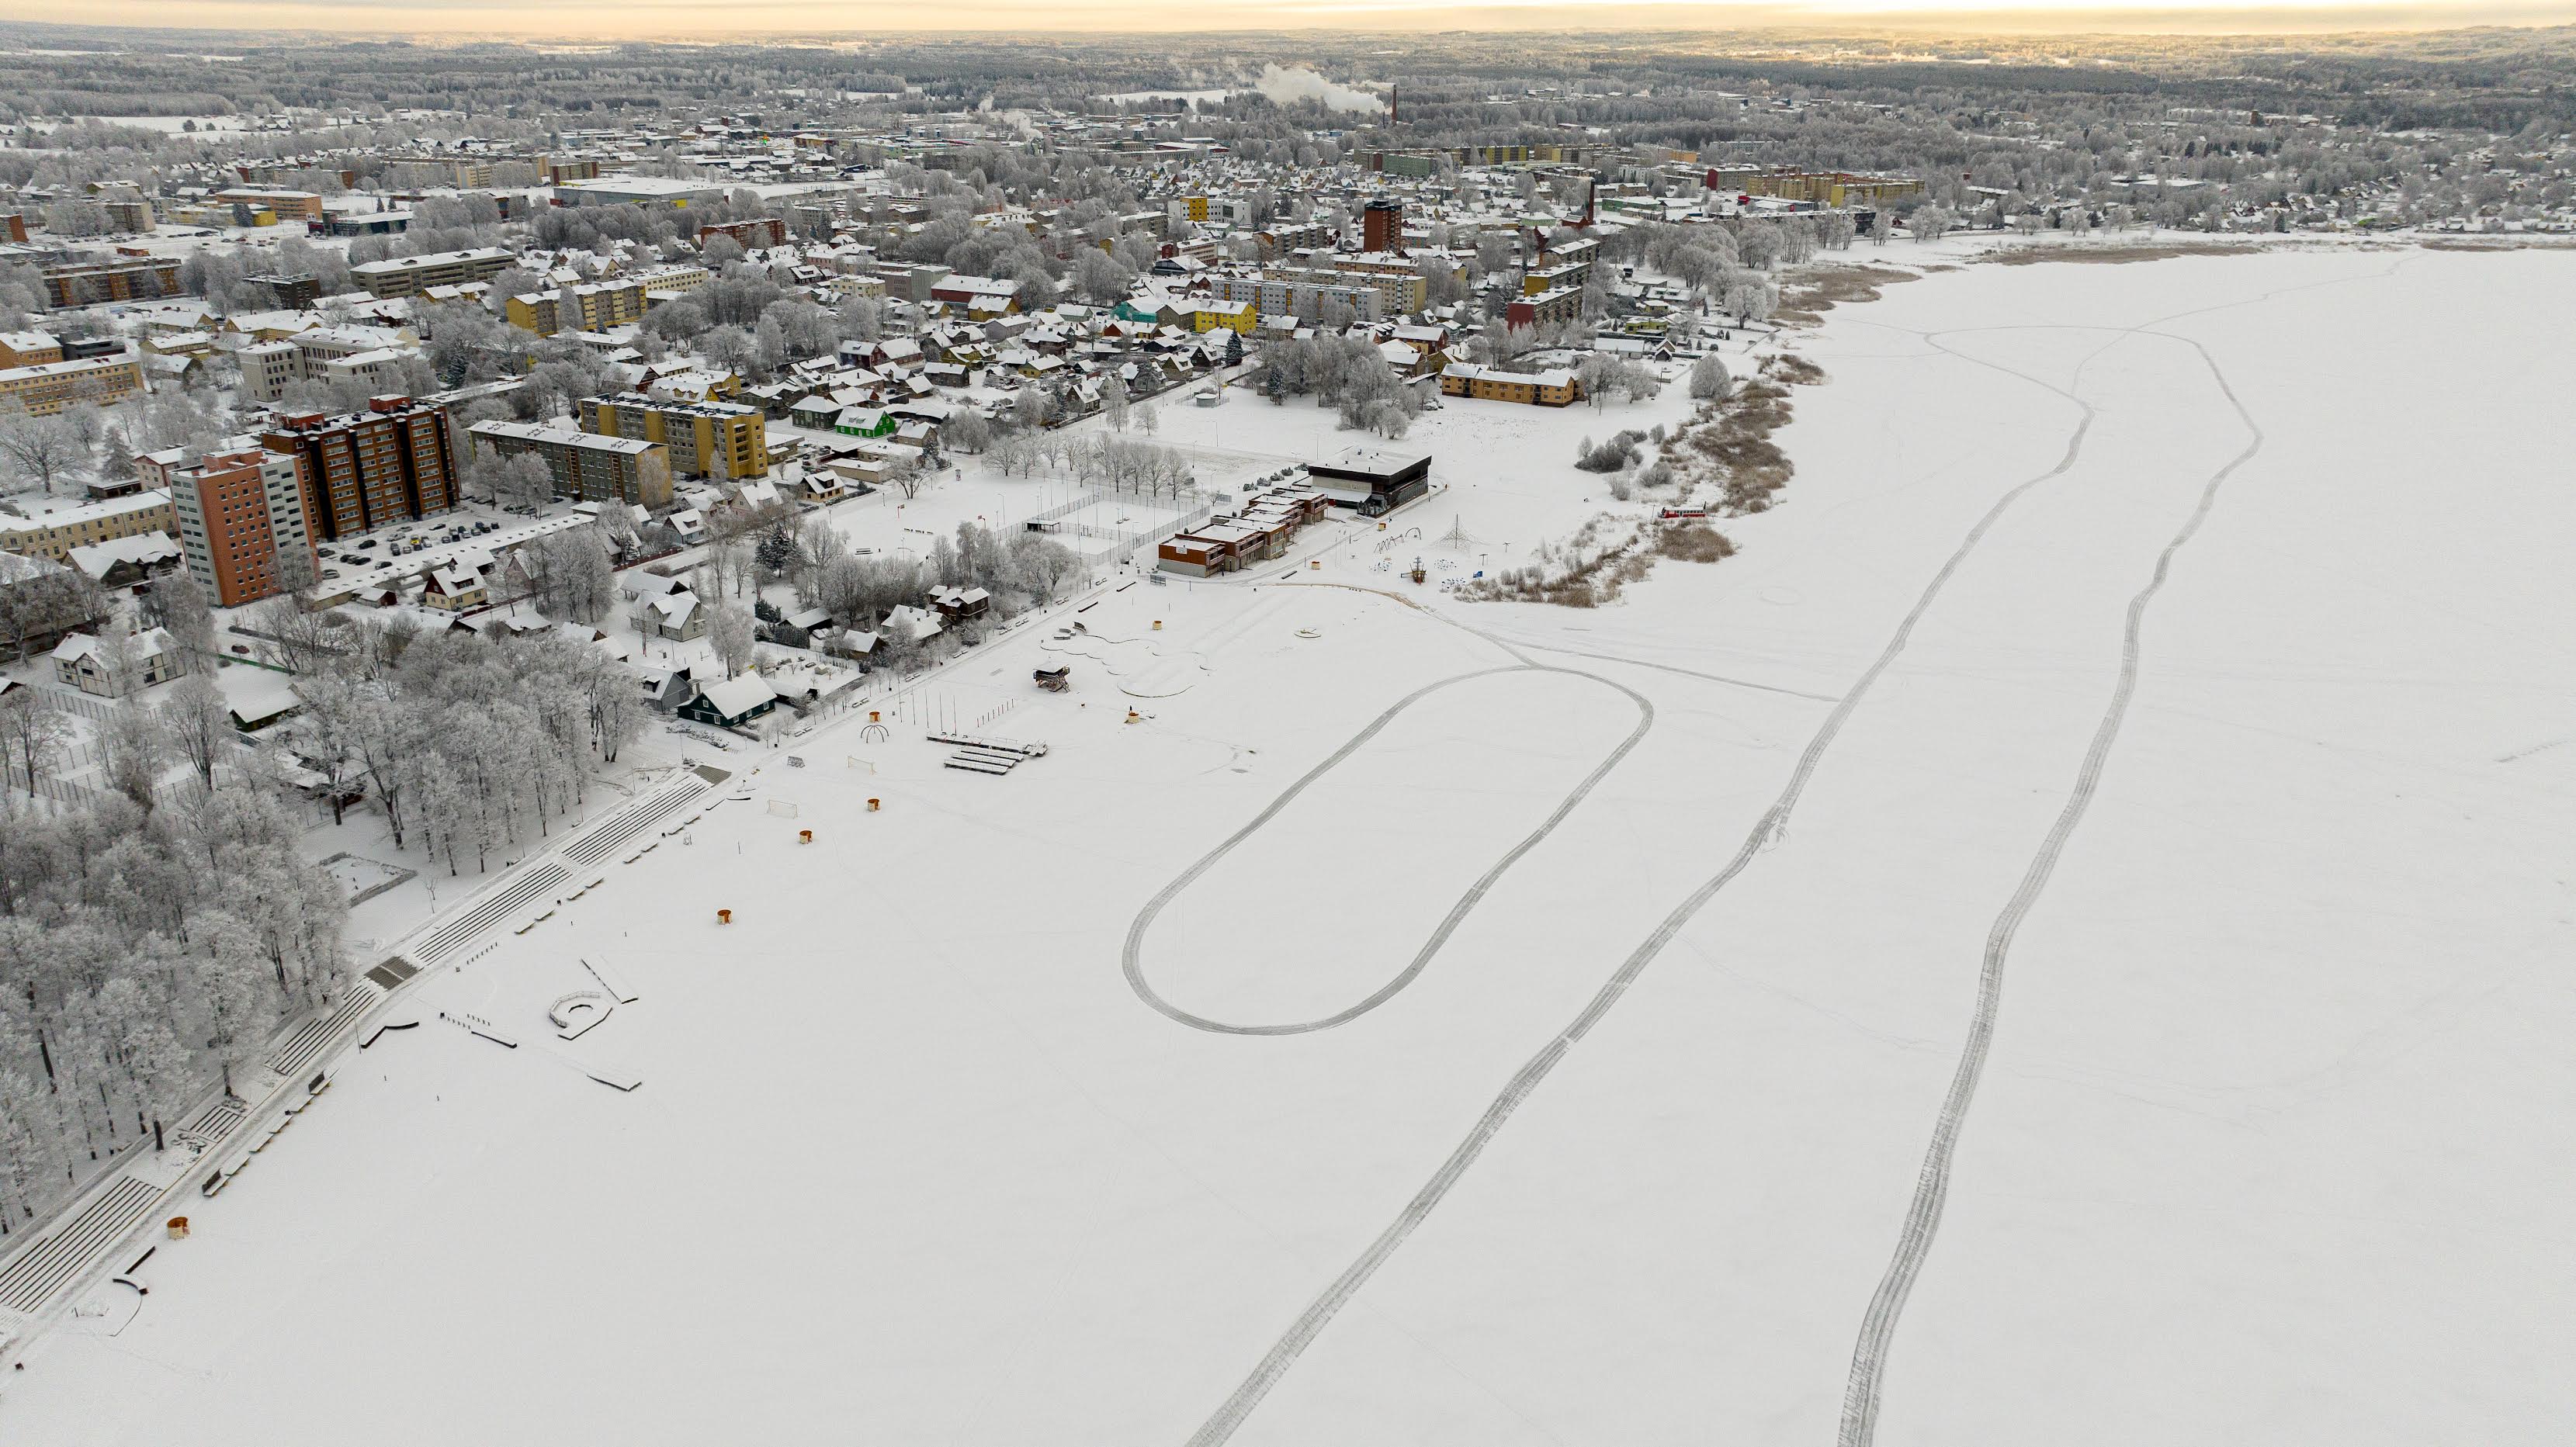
(2269, 1145)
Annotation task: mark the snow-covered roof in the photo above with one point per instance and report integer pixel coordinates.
(738, 696)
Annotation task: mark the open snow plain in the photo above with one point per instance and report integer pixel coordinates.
(2154, 695)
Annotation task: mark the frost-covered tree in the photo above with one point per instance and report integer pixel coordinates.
(732, 632)
(39, 449)
(1709, 381)
(200, 727)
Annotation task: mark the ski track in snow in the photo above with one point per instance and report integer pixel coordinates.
(1862, 1390)
(1769, 830)
(1131, 957)
(1772, 826)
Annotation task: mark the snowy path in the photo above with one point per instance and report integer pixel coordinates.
(1131, 955)
(1923, 1218)
(1768, 830)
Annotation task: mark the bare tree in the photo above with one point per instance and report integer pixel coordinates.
(40, 448)
(732, 633)
(200, 725)
(32, 732)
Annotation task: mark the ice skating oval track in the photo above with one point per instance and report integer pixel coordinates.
(1131, 957)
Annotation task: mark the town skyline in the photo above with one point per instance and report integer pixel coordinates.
(665, 20)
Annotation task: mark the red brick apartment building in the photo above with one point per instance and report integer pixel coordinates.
(240, 514)
(386, 464)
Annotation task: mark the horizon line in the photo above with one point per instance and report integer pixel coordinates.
(451, 21)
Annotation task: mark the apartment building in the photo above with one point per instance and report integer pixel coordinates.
(1303, 295)
(1568, 277)
(29, 349)
(294, 293)
(662, 283)
(268, 369)
(595, 307)
(1284, 239)
(712, 439)
(389, 463)
(406, 275)
(372, 355)
(759, 233)
(1564, 304)
(587, 465)
(128, 278)
(52, 532)
(1382, 226)
(300, 205)
(241, 515)
(52, 386)
(1555, 388)
(1829, 188)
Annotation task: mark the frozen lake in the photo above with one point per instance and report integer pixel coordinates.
(2268, 1144)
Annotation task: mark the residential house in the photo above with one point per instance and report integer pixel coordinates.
(91, 664)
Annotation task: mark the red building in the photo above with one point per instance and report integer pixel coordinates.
(241, 517)
(388, 463)
(757, 234)
(1382, 226)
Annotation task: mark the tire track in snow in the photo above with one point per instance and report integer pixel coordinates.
(1863, 1388)
(1131, 956)
(1771, 827)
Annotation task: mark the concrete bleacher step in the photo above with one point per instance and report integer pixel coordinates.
(33, 1278)
(456, 935)
(594, 846)
(318, 1033)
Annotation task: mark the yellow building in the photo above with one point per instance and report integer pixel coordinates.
(1556, 388)
(51, 386)
(1232, 316)
(711, 438)
(663, 283)
(1830, 188)
(302, 205)
(599, 306)
(55, 532)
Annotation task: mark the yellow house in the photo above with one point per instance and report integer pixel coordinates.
(1233, 316)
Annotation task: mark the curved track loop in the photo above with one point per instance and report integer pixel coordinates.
(1131, 956)
(1231, 1414)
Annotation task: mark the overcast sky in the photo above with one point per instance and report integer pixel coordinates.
(610, 20)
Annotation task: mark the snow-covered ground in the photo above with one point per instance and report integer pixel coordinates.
(2269, 1145)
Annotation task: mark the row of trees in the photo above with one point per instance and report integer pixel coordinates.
(470, 744)
(1345, 373)
(143, 954)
